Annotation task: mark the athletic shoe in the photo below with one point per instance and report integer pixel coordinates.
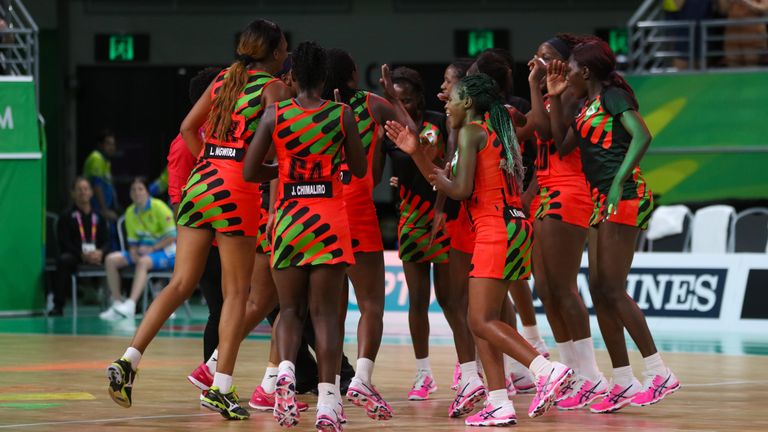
(548, 386)
(263, 401)
(523, 382)
(127, 308)
(327, 419)
(510, 388)
(456, 377)
(541, 347)
(203, 394)
(566, 391)
(422, 387)
(617, 398)
(367, 397)
(585, 393)
(121, 376)
(286, 410)
(656, 387)
(225, 404)
(503, 415)
(342, 414)
(111, 314)
(201, 377)
(467, 396)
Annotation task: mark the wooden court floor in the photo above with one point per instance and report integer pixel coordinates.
(57, 383)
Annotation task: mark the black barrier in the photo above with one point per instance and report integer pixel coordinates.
(756, 295)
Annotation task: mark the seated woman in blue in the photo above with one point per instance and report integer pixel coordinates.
(151, 246)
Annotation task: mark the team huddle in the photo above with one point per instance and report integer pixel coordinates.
(289, 154)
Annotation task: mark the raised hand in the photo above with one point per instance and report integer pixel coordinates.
(537, 68)
(387, 86)
(557, 71)
(403, 137)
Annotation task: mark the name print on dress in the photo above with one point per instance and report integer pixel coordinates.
(308, 190)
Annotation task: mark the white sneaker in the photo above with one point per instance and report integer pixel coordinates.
(127, 309)
(111, 314)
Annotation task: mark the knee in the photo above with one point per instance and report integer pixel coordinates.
(478, 325)
(605, 295)
(113, 260)
(144, 264)
(371, 309)
(452, 307)
(296, 312)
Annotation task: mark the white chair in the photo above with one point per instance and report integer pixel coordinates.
(711, 226)
(669, 229)
(749, 231)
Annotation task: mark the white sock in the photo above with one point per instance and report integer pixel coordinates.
(327, 395)
(540, 366)
(498, 398)
(286, 367)
(134, 356)
(364, 370)
(623, 376)
(468, 372)
(211, 363)
(567, 353)
(423, 365)
(222, 381)
(338, 387)
(585, 359)
(654, 364)
(531, 333)
(269, 380)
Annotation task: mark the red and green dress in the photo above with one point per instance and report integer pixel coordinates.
(358, 193)
(604, 142)
(417, 198)
(216, 196)
(563, 190)
(503, 235)
(311, 225)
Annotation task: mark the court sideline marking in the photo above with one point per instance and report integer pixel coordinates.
(112, 420)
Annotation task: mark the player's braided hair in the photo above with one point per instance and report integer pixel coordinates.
(485, 96)
(309, 65)
(259, 40)
(341, 69)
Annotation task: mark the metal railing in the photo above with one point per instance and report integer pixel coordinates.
(655, 42)
(19, 44)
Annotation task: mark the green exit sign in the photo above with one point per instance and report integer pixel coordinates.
(470, 43)
(121, 48)
(616, 37)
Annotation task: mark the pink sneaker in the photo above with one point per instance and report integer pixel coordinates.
(466, 398)
(342, 414)
(456, 377)
(327, 420)
(656, 388)
(511, 391)
(422, 388)
(494, 416)
(263, 401)
(617, 398)
(201, 377)
(367, 397)
(285, 411)
(523, 382)
(584, 394)
(566, 391)
(548, 386)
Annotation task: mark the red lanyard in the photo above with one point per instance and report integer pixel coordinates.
(82, 230)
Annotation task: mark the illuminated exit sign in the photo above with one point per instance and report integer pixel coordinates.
(121, 48)
(470, 43)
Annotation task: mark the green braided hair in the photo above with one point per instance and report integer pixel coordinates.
(485, 96)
